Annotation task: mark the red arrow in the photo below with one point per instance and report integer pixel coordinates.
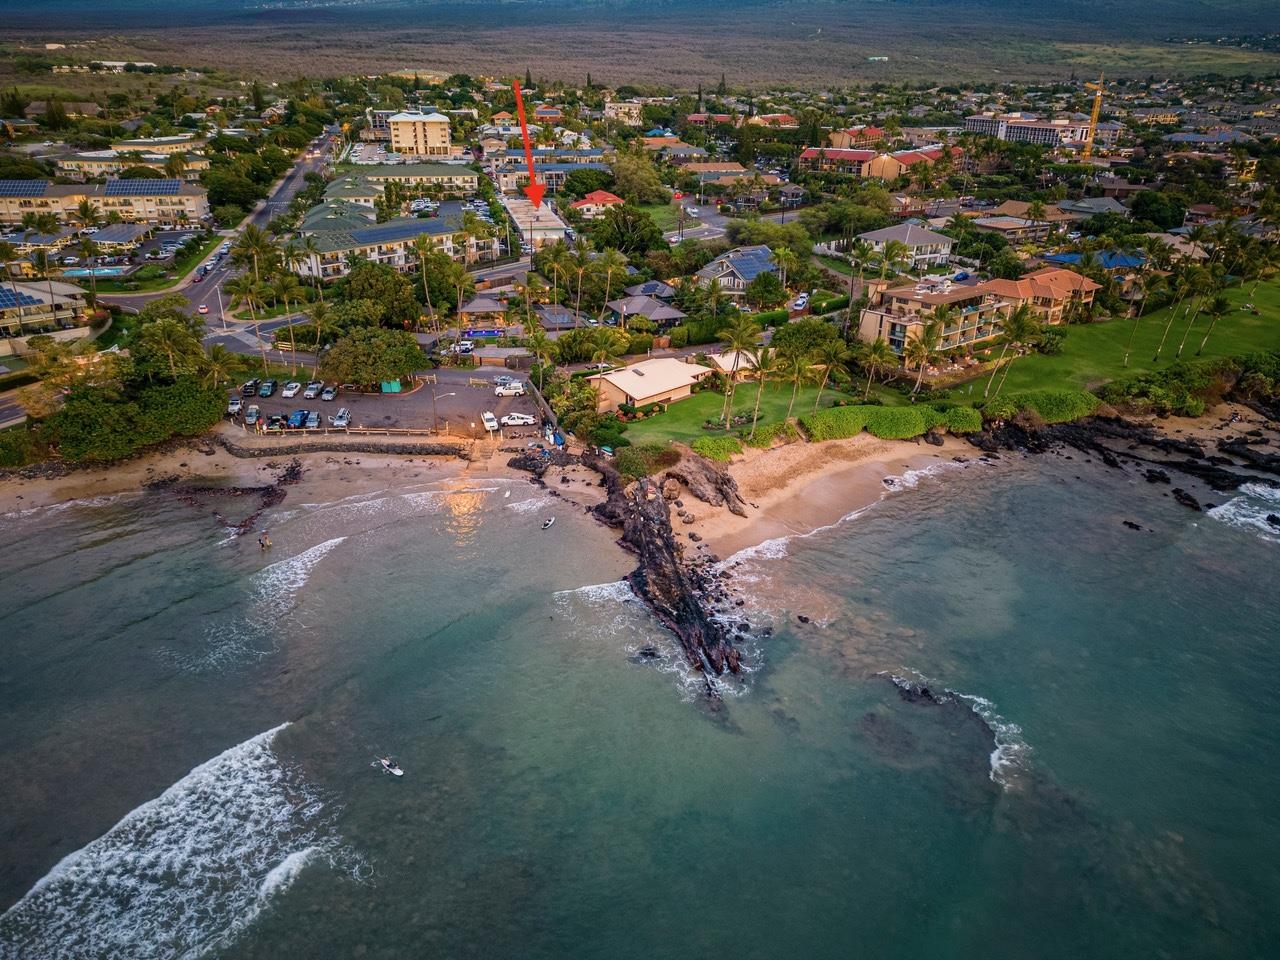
(534, 190)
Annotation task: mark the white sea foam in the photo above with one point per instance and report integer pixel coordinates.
(1011, 752)
(183, 874)
(532, 504)
(274, 594)
(52, 509)
(1249, 510)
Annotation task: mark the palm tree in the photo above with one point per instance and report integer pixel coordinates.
(244, 288)
(787, 261)
(607, 345)
(861, 253)
(830, 356)
(87, 214)
(169, 337)
(797, 369)
(922, 346)
(739, 336)
(1215, 279)
(611, 262)
(876, 357)
(1021, 332)
(175, 165)
(1191, 279)
(894, 253)
(543, 349)
(308, 248)
(285, 288)
(1217, 308)
(581, 262)
(765, 362)
(322, 321)
(88, 251)
(253, 246)
(44, 265)
(1150, 283)
(558, 261)
(423, 247)
(1019, 327)
(220, 365)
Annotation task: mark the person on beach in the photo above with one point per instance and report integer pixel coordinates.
(264, 540)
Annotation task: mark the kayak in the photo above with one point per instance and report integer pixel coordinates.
(390, 766)
(549, 522)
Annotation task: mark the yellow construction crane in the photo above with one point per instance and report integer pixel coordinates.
(1093, 117)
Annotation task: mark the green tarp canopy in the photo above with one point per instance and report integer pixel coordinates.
(390, 386)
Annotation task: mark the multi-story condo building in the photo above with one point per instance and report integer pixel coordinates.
(160, 202)
(974, 314)
(420, 134)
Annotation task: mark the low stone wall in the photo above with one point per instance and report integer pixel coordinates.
(400, 448)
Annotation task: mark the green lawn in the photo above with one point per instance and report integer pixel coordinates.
(839, 266)
(1093, 354)
(683, 419)
(664, 215)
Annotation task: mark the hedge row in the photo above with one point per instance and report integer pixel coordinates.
(765, 436)
(717, 448)
(1053, 406)
(887, 423)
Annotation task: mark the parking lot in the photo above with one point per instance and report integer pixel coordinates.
(458, 405)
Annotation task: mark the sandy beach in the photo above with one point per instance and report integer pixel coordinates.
(789, 490)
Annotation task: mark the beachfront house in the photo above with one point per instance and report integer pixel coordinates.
(660, 380)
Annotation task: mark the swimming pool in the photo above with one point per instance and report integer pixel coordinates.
(97, 272)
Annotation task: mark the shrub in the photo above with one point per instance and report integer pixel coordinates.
(834, 423)
(20, 447)
(767, 317)
(887, 423)
(639, 343)
(932, 417)
(962, 420)
(765, 436)
(644, 459)
(679, 337)
(895, 423)
(717, 448)
(1052, 406)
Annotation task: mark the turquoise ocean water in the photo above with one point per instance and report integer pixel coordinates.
(187, 728)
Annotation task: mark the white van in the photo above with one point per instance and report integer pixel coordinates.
(513, 389)
(490, 421)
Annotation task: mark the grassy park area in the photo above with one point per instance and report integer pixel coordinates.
(1093, 354)
(664, 215)
(683, 420)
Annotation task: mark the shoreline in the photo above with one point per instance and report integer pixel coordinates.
(791, 490)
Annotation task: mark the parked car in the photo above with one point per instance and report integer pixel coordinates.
(519, 420)
(298, 419)
(329, 393)
(466, 346)
(250, 389)
(203, 309)
(234, 405)
(490, 421)
(291, 389)
(503, 380)
(341, 419)
(252, 415)
(313, 420)
(268, 388)
(277, 421)
(313, 389)
(800, 302)
(514, 389)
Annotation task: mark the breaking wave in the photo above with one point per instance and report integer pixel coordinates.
(274, 594)
(183, 874)
(1250, 509)
(1010, 753)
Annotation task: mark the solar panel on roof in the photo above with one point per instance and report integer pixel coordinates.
(9, 300)
(142, 188)
(397, 231)
(23, 188)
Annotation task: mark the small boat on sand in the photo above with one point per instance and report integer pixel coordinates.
(548, 522)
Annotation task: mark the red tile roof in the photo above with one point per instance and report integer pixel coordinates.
(598, 198)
